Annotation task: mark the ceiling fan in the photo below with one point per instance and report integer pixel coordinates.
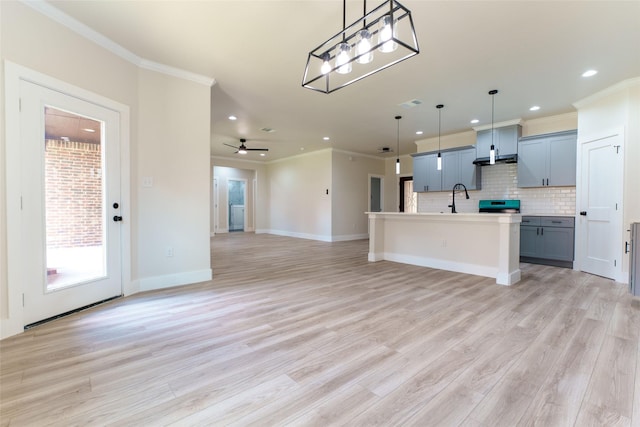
(242, 149)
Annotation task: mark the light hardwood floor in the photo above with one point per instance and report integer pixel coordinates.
(298, 332)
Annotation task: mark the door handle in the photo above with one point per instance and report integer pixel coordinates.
(626, 247)
(117, 218)
(583, 213)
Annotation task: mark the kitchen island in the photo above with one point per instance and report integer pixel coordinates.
(484, 244)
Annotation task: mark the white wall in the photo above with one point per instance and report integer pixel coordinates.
(173, 149)
(350, 193)
(160, 130)
(300, 205)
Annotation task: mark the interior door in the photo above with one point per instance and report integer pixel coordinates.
(601, 210)
(375, 194)
(237, 197)
(70, 186)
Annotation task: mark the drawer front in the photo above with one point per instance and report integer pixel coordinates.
(531, 220)
(557, 221)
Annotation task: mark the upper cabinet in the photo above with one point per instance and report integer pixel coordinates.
(547, 160)
(505, 141)
(457, 167)
(426, 176)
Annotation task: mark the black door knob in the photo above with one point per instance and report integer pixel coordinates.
(117, 218)
(583, 213)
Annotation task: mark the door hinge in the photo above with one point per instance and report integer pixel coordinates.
(617, 149)
(22, 300)
(616, 206)
(20, 202)
(20, 105)
(615, 263)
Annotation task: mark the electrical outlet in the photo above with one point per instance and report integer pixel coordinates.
(169, 251)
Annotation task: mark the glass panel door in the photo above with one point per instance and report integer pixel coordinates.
(70, 217)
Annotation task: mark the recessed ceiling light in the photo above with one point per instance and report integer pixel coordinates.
(326, 138)
(589, 73)
(419, 132)
(262, 154)
(534, 108)
(474, 121)
(88, 130)
(233, 118)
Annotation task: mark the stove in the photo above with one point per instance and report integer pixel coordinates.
(499, 206)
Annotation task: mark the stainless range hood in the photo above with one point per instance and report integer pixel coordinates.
(506, 158)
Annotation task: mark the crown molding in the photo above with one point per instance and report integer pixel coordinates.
(89, 33)
(498, 125)
(623, 85)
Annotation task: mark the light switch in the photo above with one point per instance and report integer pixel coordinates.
(147, 181)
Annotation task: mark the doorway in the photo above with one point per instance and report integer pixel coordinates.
(408, 198)
(600, 206)
(71, 215)
(237, 196)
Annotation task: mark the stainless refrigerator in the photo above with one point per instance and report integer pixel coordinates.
(634, 264)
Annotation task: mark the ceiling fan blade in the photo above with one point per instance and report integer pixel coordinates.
(257, 149)
(229, 145)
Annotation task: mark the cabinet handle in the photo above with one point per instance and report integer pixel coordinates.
(556, 222)
(426, 188)
(537, 231)
(547, 181)
(542, 231)
(543, 182)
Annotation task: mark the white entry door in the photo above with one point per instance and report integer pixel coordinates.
(71, 213)
(600, 207)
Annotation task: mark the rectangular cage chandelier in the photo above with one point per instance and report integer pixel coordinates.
(378, 40)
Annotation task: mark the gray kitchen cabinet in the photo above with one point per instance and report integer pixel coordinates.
(426, 176)
(547, 240)
(547, 160)
(505, 140)
(458, 167)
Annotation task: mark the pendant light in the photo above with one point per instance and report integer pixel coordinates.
(387, 34)
(492, 151)
(379, 39)
(343, 58)
(364, 53)
(398, 146)
(439, 107)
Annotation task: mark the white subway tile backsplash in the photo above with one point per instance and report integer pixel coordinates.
(501, 182)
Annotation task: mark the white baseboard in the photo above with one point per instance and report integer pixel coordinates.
(321, 238)
(308, 236)
(178, 279)
(347, 237)
(458, 267)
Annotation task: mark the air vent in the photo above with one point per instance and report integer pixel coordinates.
(410, 104)
(268, 130)
(385, 150)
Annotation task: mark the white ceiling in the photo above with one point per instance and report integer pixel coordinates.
(533, 52)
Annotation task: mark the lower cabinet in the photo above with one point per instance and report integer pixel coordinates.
(547, 240)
